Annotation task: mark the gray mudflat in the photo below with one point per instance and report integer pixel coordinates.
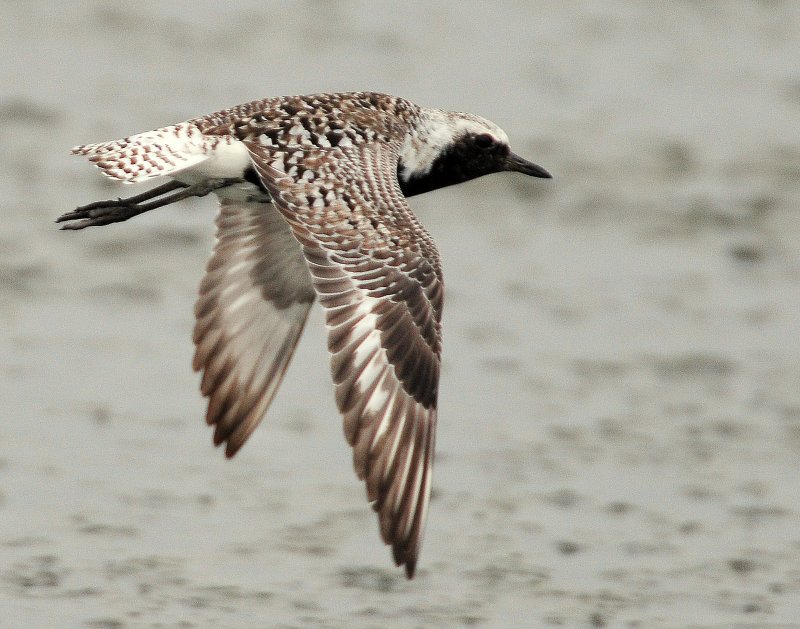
(619, 439)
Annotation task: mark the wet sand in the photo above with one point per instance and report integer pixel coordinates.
(619, 439)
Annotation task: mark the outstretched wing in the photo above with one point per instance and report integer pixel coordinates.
(253, 304)
(377, 273)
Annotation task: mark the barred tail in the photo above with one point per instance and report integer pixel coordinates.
(151, 154)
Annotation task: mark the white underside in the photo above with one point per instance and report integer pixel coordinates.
(227, 160)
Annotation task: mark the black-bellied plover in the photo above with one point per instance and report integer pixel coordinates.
(312, 193)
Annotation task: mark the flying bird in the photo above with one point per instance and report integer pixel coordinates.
(312, 192)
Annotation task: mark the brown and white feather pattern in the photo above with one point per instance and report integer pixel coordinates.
(377, 274)
(208, 146)
(329, 162)
(253, 305)
(151, 154)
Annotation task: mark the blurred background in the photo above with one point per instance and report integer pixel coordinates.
(619, 440)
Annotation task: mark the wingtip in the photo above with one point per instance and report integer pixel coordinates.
(404, 558)
(230, 448)
(234, 442)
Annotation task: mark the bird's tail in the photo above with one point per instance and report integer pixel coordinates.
(156, 153)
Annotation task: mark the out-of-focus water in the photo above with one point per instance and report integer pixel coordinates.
(619, 439)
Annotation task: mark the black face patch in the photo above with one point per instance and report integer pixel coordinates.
(471, 157)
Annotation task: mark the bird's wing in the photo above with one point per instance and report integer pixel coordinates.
(378, 276)
(253, 304)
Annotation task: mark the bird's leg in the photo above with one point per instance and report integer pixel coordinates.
(106, 212)
(115, 211)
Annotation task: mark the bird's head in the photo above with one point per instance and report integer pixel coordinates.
(447, 148)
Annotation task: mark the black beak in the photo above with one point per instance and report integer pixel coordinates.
(516, 164)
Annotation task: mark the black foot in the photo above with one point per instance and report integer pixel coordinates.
(100, 213)
(107, 212)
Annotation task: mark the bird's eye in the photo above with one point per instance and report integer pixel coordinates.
(484, 141)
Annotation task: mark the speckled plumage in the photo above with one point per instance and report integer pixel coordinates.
(313, 205)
